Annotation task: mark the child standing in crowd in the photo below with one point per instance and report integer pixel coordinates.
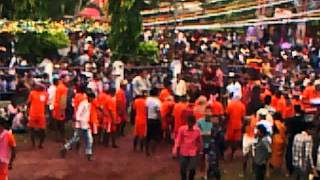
(205, 126)
(7, 150)
(213, 169)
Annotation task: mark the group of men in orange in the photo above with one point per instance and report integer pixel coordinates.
(105, 112)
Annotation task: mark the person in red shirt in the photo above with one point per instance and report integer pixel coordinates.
(122, 106)
(110, 118)
(7, 150)
(102, 101)
(165, 92)
(37, 100)
(94, 122)
(166, 112)
(188, 145)
(177, 114)
(60, 105)
(139, 107)
(235, 111)
(217, 107)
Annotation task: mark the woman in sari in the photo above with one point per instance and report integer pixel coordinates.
(278, 142)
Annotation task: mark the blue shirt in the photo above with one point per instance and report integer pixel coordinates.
(205, 127)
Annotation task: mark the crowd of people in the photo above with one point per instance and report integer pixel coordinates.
(219, 94)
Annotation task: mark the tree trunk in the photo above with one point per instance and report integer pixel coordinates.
(78, 7)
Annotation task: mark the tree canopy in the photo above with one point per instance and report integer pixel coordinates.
(39, 9)
(126, 25)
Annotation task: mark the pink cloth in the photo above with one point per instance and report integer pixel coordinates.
(6, 142)
(189, 141)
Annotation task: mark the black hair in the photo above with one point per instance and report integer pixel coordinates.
(112, 90)
(154, 92)
(55, 81)
(262, 129)
(82, 88)
(277, 116)
(267, 100)
(298, 109)
(191, 119)
(90, 94)
(308, 126)
(3, 122)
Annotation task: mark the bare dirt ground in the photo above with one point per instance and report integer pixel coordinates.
(108, 164)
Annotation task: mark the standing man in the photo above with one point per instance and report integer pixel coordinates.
(141, 83)
(139, 109)
(51, 98)
(235, 112)
(7, 150)
(37, 101)
(177, 114)
(110, 117)
(82, 125)
(188, 146)
(302, 154)
(262, 152)
(122, 106)
(60, 106)
(154, 132)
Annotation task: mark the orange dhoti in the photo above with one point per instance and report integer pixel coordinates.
(37, 122)
(140, 130)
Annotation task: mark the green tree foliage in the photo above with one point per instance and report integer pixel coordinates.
(148, 52)
(126, 25)
(39, 9)
(36, 46)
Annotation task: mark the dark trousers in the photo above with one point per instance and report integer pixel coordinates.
(260, 171)
(60, 129)
(188, 165)
(300, 174)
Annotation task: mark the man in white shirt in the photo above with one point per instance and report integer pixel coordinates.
(234, 87)
(154, 132)
(51, 97)
(82, 126)
(141, 83)
(47, 66)
(180, 88)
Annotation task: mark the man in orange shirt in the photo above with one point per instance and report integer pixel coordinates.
(110, 118)
(38, 99)
(60, 105)
(140, 121)
(217, 107)
(122, 106)
(7, 150)
(165, 92)
(166, 112)
(235, 111)
(94, 121)
(177, 114)
(275, 99)
(102, 100)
